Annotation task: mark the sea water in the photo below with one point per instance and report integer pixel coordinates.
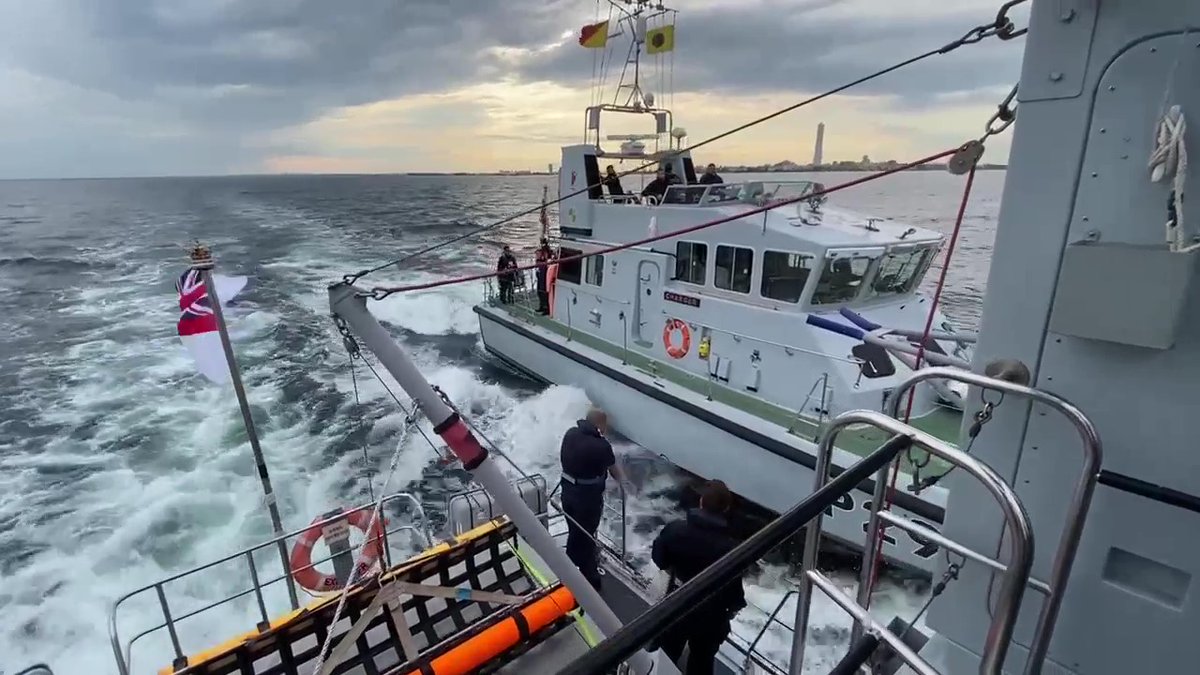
(119, 465)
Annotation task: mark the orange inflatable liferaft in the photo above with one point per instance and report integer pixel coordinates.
(301, 563)
(677, 351)
(501, 636)
(551, 277)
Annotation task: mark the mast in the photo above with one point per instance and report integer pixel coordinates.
(635, 18)
(203, 263)
(349, 303)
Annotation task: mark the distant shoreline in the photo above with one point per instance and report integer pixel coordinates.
(498, 174)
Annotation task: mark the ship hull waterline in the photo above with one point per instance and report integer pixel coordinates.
(760, 461)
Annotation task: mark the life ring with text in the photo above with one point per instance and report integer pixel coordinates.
(677, 351)
(551, 278)
(301, 563)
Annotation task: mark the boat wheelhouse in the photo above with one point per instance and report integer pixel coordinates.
(726, 347)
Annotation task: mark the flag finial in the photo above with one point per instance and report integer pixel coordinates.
(201, 257)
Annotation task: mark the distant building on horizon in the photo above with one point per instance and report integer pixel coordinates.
(819, 150)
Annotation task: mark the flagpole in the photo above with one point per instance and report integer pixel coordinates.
(543, 215)
(202, 262)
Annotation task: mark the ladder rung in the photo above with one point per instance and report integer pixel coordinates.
(856, 610)
(941, 540)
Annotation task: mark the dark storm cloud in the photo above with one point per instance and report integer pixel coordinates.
(806, 47)
(256, 63)
(104, 87)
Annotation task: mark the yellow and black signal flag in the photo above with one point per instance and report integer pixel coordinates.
(661, 39)
(594, 36)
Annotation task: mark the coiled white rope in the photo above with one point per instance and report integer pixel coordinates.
(1169, 160)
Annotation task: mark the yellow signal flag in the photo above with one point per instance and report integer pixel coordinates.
(594, 36)
(661, 39)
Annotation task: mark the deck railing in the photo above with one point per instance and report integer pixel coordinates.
(729, 569)
(124, 651)
(808, 514)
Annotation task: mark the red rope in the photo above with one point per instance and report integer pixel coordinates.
(937, 296)
(381, 292)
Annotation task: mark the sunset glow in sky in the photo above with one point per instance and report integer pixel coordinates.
(186, 87)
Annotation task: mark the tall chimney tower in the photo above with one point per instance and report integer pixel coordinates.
(819, 151)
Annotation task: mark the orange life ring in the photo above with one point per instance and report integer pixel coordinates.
(301, 563)
(677, 351)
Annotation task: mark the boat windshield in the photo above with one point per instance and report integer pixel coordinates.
(841, 279)
(901, 271)
(755, 192)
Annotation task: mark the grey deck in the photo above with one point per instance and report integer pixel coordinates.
(943, 423)
(550, 656)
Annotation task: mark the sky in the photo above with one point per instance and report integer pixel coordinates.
(95, 88)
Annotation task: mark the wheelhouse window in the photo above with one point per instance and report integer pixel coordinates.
(901, 271)
(570, 270)
(593, 270)
(691, 262)
(841, 280)
(734, 267)
(784, 275)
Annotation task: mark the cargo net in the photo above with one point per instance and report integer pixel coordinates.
(438, 626)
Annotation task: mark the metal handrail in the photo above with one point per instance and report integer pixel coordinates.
(877, 337)
(677, 605)
(578, 289)
(1081, 498)
(788, 349)
(750, 651)
(1016, 576)
(124, 654)
(823, 383)
(606, 507)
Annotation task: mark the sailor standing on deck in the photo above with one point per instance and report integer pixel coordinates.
(506, 265)
(685, 548)
(587, 461)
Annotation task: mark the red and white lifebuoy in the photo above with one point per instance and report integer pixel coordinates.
(677, 351)
(301, 559)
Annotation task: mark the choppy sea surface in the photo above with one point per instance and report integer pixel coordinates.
(119, 465)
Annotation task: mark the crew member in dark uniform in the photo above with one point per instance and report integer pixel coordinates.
(669, 175)
(506, 266)
(542, 258)
(656, 187)
(710, 176)
(587, 460)
(613, 182)
(685, 548)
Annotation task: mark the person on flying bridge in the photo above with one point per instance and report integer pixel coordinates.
(685, 548)
(587, 461)
(657, 187)
(710, 176)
